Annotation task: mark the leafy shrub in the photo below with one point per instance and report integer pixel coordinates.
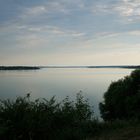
(43, 119)
(122, 99)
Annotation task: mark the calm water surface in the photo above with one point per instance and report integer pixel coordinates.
(60, 82)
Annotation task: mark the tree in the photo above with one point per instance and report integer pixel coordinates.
(122, 99)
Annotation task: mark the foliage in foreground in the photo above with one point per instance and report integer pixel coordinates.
(122, 99)
(43, 119)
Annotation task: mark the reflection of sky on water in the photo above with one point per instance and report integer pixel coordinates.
(59, 82)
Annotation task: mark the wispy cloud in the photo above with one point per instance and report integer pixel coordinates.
(49, 30)
(35, 11)
(52, 7)
(135, 32)
(77, 26)
(129, 8)
(107, 34)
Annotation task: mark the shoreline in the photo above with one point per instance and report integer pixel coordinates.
(75, 67)
(19, 68)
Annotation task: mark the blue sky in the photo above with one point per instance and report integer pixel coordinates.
(69, 32)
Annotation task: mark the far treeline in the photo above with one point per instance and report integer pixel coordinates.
(42, 119)
(19, 68)
(39, 67)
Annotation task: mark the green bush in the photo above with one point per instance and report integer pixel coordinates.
(122, 99)
(43, 119)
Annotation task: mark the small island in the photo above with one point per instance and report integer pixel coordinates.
(19, 68)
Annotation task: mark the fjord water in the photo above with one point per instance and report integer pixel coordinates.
(61, 82)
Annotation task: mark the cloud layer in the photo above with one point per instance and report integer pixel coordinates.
(40, 29)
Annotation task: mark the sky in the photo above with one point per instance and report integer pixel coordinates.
(69, 32)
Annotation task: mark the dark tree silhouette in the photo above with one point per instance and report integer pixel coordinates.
(122, 99)
(44, 119)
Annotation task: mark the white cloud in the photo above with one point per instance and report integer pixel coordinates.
(129, 8)
(31, 12)
(107, 34)
(51, 30)
(135, 32)
(45, 9)
(36, 10)
(100, 8)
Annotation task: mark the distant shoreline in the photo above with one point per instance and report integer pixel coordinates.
(19, 68)
(91, 67)
(123, 66)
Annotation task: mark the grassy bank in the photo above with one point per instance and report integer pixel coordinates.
(119, 130)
